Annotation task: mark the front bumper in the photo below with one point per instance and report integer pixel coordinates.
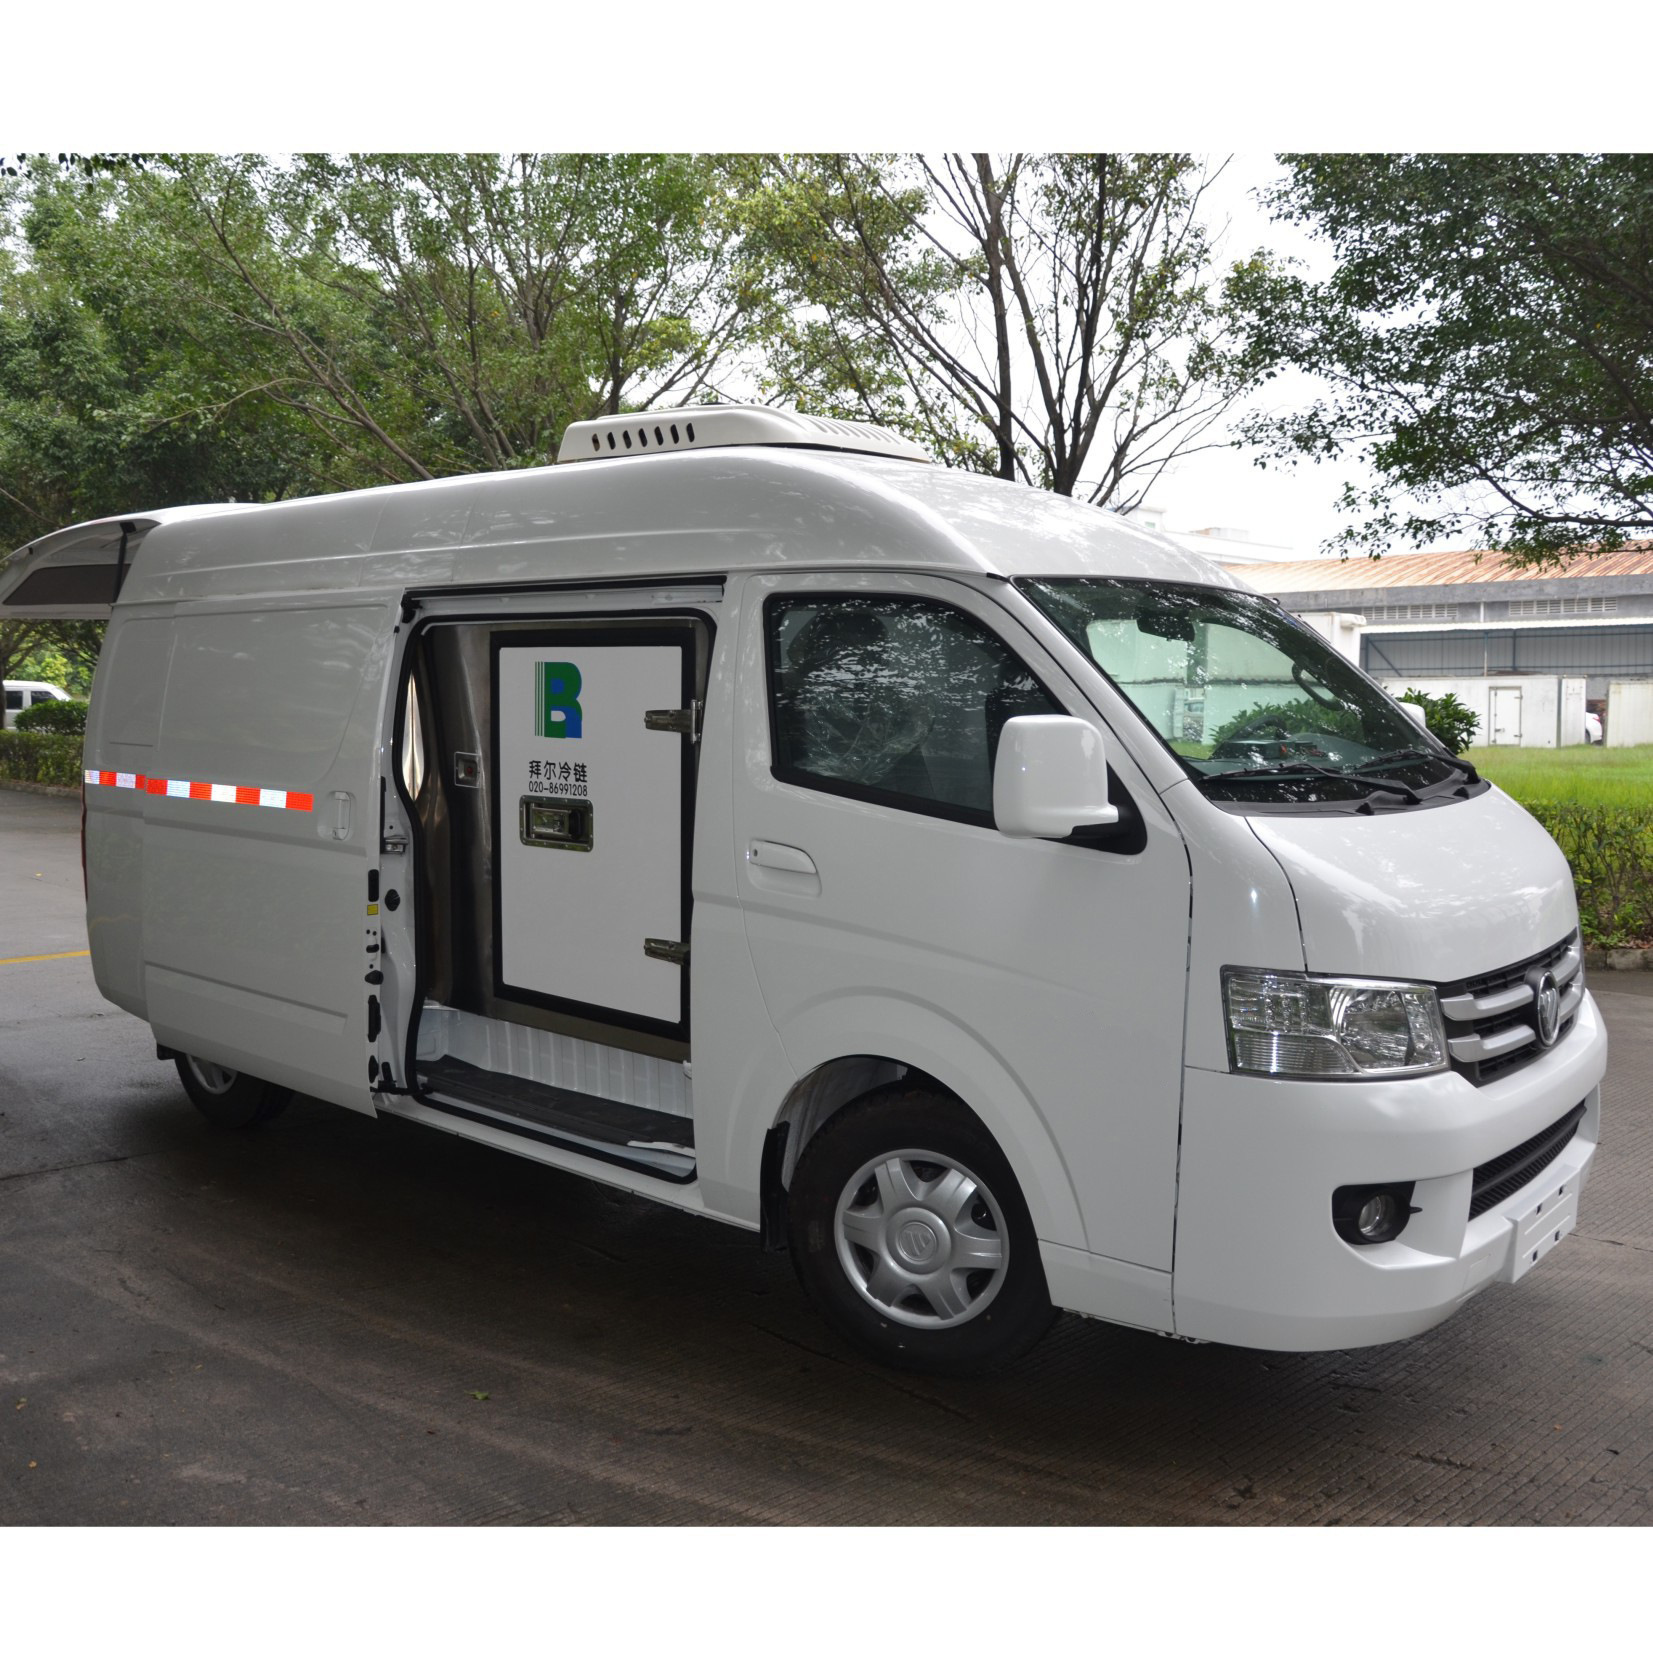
(1257, 1261)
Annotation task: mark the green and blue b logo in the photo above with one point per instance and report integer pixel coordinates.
(557, 699)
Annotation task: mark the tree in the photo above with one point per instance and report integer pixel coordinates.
(188, 328)
(18, 640)
(1486, 337)
(439, 313)
(114, 395)
(1050, 318)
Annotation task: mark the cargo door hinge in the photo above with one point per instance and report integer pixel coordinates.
(668, 952)
(680, 720)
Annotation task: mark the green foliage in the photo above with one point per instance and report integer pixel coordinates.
(1610, 850)
(47, 760)
(18, 641)
(1595, 804)
(1485, 337)
(430, 314)
(112, 387)
(230, 328)
(1295, 716)
(183, 328)
(64, 652)
(1446, 717)
(1619, 776)
(53, 717)
(1046, 318)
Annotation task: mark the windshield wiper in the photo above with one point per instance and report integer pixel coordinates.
(1270, 770)
(1400, 756)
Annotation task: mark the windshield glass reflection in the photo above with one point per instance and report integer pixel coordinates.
(1256, 705)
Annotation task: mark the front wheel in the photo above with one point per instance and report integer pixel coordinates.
(910, 1235)
(230, 1099)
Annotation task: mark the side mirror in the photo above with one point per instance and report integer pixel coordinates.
(1051, 778)
(1414, 711)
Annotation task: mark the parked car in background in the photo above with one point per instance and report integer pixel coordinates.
(1592, 729)
(24, 693)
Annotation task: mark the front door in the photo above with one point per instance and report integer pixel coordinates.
(882, 903)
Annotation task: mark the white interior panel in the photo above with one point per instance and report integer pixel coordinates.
(556, 1059)
(573, 921)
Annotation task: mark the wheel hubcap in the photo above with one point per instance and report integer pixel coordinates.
(921, 1239)
(211, 1077)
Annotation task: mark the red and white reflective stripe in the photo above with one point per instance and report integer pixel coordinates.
(216, 792)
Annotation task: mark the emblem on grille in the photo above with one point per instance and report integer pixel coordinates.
(1547, 1002)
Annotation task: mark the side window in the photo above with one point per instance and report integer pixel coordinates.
(14, 700)
(41, 695)
(896, 697)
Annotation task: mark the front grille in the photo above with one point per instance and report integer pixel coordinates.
(1491, 1020)
(1499, 1178)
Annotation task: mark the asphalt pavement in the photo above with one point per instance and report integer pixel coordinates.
(342, 1320)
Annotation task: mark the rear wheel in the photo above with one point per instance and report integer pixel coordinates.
(911, 1236)
(230, 1099)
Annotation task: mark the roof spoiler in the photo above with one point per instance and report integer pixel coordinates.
(77, 573)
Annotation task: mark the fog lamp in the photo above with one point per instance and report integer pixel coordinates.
(1371, 1213)
(1376, 1219)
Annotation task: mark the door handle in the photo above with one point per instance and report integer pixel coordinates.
(779, 857)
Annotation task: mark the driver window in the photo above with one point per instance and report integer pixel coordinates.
(893, 697)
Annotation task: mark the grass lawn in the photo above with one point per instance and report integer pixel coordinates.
(1619, 776)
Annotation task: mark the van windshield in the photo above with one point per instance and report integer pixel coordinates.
(1256, 705)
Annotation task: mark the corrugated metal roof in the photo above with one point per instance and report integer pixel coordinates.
(1433, 568)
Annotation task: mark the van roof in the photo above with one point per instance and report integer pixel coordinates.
(673, 516)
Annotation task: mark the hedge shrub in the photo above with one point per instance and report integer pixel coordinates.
(49, 760)
(53, 717)
(1293, 716)
(1446, 717)
(1610, 850)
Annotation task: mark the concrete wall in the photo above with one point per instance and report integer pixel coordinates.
(1629, 719)
(1514, 711)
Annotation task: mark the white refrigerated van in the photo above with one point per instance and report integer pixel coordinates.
(22, 693)
(981, 896)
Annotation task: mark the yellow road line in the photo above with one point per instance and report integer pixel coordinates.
(40, 958)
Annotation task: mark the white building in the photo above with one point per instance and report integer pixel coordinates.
(1468, 614)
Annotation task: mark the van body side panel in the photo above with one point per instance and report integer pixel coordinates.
(123, 724)
(255, 912)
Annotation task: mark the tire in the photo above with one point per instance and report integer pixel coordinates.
(234, 1101)
(890, 1189)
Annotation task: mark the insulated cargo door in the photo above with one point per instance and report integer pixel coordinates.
(1506, 717)
(593, 735)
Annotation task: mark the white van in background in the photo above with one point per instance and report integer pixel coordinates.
(23, 693)
(994, 904)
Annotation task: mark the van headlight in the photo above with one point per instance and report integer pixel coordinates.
(1296, 1026)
